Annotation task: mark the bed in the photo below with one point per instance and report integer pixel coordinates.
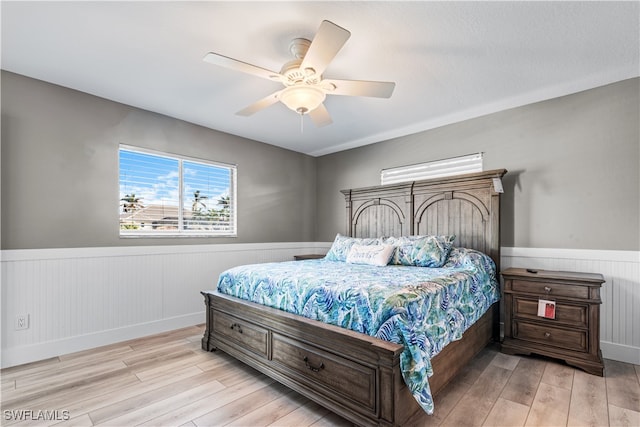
(352, 372)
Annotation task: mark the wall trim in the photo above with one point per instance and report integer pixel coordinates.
(94, 252)
(45, 350)
(620, 352)
(582, 254)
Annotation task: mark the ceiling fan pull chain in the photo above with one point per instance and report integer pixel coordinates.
(301, 123)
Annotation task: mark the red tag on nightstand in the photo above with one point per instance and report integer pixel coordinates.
(547, 309)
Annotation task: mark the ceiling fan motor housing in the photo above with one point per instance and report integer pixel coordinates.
(291, 70)
(294, 75)
(299, 47)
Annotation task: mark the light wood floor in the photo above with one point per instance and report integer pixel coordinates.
(167, 379)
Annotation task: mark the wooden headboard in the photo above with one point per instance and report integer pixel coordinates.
(465, 205)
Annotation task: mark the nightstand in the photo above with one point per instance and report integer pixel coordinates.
(569, 331)
(307, 256)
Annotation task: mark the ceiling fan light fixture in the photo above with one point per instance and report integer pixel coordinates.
(302, 99)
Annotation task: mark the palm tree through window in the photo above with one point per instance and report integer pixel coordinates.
(165, 194)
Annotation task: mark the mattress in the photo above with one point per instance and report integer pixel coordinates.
(421, 308)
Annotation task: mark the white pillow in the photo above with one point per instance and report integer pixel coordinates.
(379, 255)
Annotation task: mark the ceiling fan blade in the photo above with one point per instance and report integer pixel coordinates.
(259, 105)
(234, 64)
(358, 88)
(320, 116)
(325, 45)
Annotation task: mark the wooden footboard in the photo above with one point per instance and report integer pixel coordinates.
(352, 374)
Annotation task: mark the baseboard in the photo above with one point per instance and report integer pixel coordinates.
(620, 352)
(32, 353)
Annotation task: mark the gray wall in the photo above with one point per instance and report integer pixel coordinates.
(60, 171)
(573, 163)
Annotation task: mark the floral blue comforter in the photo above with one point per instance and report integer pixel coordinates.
(421, 308)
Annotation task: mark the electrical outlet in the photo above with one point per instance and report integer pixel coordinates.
(22, 322)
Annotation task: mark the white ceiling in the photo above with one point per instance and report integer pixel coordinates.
(451, 61)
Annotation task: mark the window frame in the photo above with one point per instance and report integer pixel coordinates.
(181, 231)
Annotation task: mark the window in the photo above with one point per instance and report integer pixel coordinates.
(435, 169)
(168, 195)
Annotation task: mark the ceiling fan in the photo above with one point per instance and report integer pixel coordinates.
(304, 87)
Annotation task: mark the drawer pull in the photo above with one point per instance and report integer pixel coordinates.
(236, 327)
(547, 334)
(547, 289)
(313, 368)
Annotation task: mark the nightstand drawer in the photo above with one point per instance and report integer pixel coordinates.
(550, 289)
(569, 339)
(567, 314)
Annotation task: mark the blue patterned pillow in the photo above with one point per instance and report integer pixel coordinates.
(421, 251)
(342, 244)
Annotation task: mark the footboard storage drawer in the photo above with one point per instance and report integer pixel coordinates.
(353, 375)
(244, 334)
(332, 375)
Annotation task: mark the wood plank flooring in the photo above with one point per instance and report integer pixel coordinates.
(167, 380)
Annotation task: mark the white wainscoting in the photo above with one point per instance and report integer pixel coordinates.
(620, 310)
(82, 298)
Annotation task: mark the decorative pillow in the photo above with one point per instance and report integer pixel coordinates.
(342, 244)
(370, 254)
(421, 251)
(397, 242)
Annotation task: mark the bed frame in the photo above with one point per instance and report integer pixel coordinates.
(352, 374)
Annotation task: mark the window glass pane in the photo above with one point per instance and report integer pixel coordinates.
(207, 192)
(149, 187)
